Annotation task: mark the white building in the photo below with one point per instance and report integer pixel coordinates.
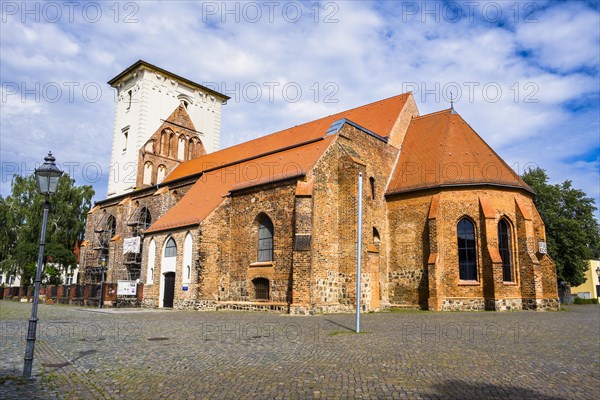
(146, 96)
(14, 280)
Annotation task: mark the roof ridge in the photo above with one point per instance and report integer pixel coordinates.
(305, 123)
(376, 117)
(333, 115)
(432, 114)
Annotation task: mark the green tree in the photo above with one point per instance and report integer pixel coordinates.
(572, 232)
(21, 223)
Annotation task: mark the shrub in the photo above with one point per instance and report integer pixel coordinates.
(578, 300)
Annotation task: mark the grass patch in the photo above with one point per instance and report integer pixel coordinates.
(19, 380)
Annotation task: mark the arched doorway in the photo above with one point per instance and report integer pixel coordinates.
(168, 268)
(169, 294)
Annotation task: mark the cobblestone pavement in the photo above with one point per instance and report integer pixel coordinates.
(151, 354)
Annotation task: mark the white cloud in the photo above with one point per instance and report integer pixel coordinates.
(565, 37)
(373, 51)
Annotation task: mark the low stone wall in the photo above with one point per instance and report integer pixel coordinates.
(149, 303)
(274, 307)
(463, 304)
(196, 305)
(506, 305)
(541, 304)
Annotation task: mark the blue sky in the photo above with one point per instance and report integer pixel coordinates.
(524, 74)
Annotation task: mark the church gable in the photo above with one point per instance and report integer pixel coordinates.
(174, 142)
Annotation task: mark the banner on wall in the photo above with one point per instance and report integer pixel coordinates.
(131, 245)
(126, 288)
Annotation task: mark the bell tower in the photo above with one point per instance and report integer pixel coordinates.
(146, 96)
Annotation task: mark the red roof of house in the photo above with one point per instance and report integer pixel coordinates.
(441, 149)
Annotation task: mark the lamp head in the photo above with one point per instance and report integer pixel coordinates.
(47, 176)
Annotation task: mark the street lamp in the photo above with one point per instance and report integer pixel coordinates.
(46, 177)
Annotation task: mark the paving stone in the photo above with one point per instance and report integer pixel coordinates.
(86, 354)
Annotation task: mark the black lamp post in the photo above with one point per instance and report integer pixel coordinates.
(103, 266)
(46, 177)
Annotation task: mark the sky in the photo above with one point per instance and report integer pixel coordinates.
(523, 74)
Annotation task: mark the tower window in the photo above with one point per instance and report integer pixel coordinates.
(125, 137)
(129, 96)
(372, 182)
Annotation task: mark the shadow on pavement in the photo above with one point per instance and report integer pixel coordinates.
(455, 389)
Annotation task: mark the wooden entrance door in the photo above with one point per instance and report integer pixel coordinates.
(169, 289)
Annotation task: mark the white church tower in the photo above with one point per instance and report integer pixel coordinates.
(146, 96)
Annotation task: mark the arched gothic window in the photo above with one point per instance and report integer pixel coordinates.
(147, 173)
(376, 237)
(181, 148)
(504, 244)
(171, 144)
(191, 149)
(467, 254)
(170, 248)
(161, 173)
(265, 239)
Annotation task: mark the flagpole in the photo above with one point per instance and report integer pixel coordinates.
(358, 251)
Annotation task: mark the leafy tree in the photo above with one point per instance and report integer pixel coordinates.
(573, 235)
(21, 223)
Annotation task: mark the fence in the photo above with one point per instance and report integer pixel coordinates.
(77, 295)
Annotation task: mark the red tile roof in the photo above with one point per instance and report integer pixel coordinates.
(378, 117)
(287, 153)
(441, 149)
(211, 188)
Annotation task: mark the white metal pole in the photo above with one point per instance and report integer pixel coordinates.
(359, 251)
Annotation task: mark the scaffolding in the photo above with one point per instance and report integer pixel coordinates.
(138, 222)
(96, 257)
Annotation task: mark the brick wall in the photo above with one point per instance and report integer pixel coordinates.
(416, 252)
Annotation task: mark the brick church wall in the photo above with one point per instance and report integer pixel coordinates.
(412, 247)
(335, 215)
(277, 202)
(409, 248)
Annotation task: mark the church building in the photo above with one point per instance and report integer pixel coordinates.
(271, 224)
